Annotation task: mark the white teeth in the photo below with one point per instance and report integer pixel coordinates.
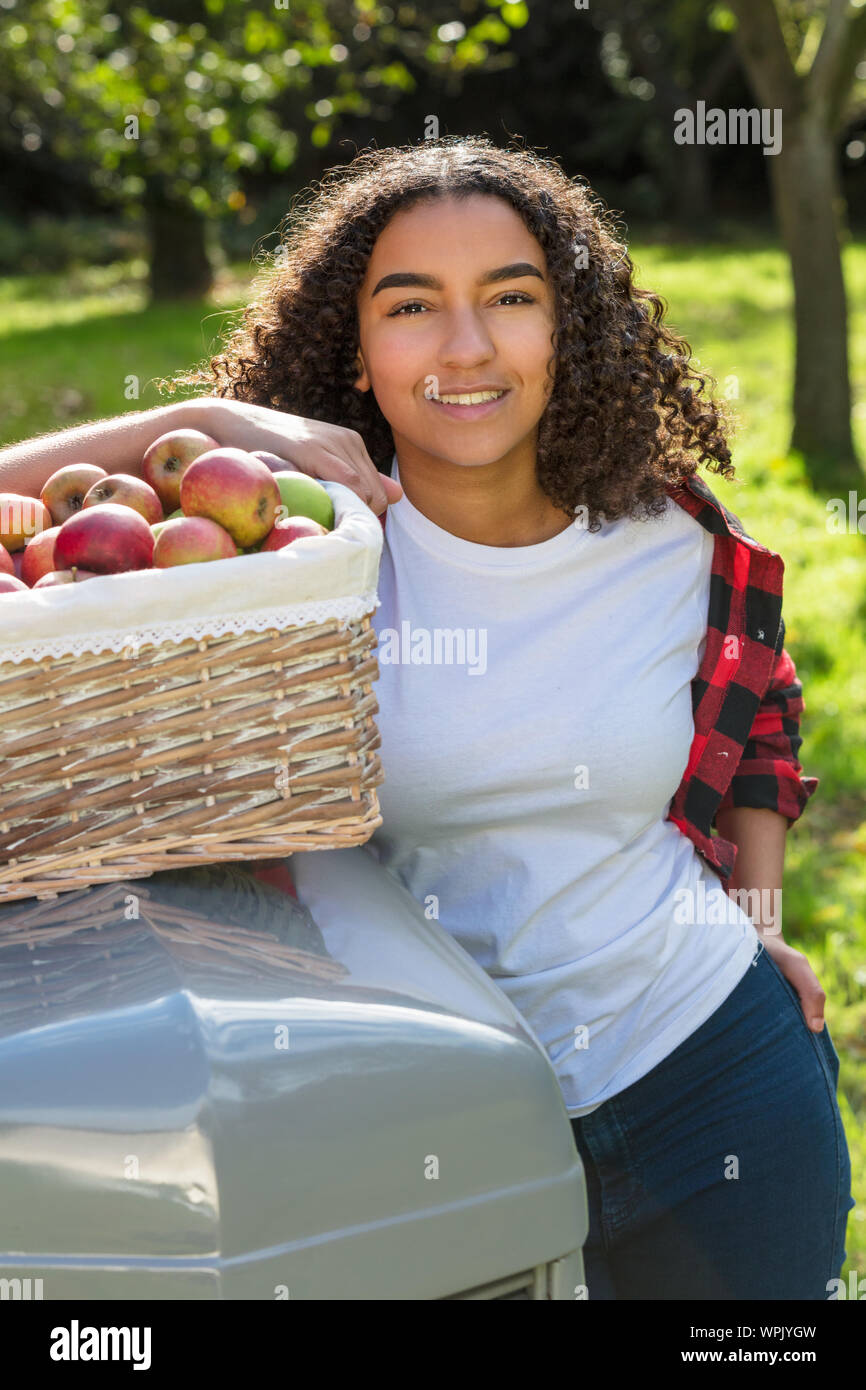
(476, 398)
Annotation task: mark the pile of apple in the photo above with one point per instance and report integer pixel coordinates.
(195, 502)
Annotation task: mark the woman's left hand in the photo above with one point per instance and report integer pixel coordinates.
(800, 975)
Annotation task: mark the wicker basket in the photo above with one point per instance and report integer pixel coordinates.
(160, 751)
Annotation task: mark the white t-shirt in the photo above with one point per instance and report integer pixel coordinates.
(535, 716)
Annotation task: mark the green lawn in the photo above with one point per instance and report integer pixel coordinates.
(67, 346)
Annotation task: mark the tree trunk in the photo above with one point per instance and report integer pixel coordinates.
(810, 209)
(690, 190)
(811, 212)
(180, 267)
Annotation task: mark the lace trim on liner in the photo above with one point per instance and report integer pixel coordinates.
(349, 609)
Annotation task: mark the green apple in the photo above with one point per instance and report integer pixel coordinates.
(157, 526)
(303, 496)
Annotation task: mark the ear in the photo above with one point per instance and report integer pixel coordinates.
(362, 382)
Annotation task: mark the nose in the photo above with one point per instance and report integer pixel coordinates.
(466, 341)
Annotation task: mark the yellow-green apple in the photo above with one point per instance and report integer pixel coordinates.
(66, 489)
(73, 576)
(7, 565)
(292, 528)
(274, 462)
(127, 491)
(168, 458)
(107, 538)
(10, 585)
(38, 556)
(21, 518)
(192, 540)
(157, 526)
(234, 489)
(301, 495)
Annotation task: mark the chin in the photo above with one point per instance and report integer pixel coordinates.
(474, 454)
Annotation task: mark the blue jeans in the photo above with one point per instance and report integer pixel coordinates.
(723, 1173)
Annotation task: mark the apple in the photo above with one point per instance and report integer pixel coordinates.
(38, 556)
(234, 489)
(304, 496)
(73, 576)
(7, 564)
(274, 462)
(168, 458)
(22, 518)
(10, 585)
(292, 528)
(66, 489)
(192, 540)
(127, 491)
(107, 538)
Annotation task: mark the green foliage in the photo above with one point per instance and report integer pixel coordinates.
(143, 100)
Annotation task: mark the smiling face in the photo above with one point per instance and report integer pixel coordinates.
(457, 299)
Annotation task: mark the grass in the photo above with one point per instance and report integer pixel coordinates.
(69, 345)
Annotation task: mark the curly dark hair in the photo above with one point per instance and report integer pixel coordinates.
(624, 418)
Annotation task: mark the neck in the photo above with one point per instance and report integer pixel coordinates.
(497, 504)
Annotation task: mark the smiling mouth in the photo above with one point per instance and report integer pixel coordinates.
(470, 398)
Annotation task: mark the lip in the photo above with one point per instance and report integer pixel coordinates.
(470, 412)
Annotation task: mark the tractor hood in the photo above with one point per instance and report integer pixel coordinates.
(211, 1090)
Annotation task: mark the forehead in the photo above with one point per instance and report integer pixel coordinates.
(475, 232)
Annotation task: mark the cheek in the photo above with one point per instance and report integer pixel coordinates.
(393, 363)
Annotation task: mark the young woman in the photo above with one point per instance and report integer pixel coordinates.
(454, 330)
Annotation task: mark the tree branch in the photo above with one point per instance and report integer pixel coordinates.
(765, 56)
(843, 44)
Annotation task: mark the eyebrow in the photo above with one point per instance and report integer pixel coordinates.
(403, 278)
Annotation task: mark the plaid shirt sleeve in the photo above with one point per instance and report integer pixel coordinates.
(769, 774)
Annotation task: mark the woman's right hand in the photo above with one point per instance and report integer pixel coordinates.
(328, 452)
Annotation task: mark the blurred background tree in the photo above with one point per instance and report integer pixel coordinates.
(170, 109)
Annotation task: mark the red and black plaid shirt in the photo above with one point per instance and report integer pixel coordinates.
(746, 698)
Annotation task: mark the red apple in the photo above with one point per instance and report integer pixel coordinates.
(7, 564)
(292, 528)
(38, 556)
(65, 490)
(168, 458)
(73, 576)
(234, 489)
(274, 462)
(107, 538)
(127, 491)
(24, 517)
(10, 585)
(191, 540)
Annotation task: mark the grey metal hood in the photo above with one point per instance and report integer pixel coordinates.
(208, 1090)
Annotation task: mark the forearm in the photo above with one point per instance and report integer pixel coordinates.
(117, 445)
(760, 837)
